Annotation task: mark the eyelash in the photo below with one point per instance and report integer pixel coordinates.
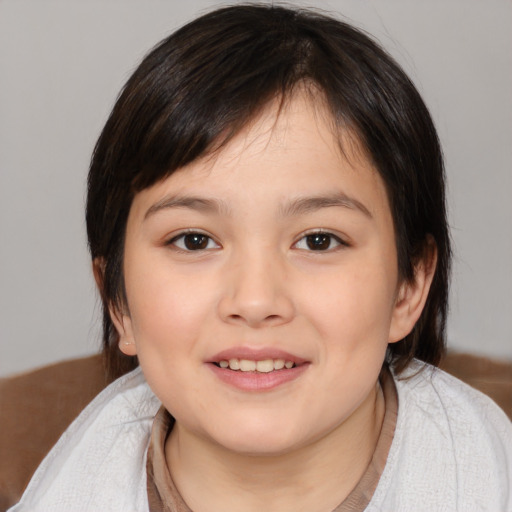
(340, 243)
(308, 238)
(174, 241)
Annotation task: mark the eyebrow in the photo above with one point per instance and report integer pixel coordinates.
(295, 207)
(191, 202)
(310, 204)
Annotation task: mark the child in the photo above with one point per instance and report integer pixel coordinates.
(266, 218)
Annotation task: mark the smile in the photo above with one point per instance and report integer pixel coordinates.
(263, 366)
(250, 370)
(259, 369)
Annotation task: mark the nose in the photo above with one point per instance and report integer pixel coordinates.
(255, 292)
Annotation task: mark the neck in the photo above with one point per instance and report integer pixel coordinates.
(316, 477)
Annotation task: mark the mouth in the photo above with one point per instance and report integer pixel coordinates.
(257, 370)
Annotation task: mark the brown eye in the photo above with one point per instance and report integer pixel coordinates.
(319, 242)
(194, 242)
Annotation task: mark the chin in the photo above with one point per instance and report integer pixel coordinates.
(260, 438)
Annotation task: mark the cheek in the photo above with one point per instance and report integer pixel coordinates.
(168, 309)
(353, 308)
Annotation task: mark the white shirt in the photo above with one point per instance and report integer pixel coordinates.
(452, 451)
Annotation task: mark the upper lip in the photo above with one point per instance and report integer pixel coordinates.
(255, 354)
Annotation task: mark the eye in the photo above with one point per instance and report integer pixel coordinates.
(193, 241)
(319, 242)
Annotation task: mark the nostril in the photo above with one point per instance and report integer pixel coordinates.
(253, 312)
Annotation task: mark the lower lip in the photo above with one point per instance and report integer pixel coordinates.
(256, 381)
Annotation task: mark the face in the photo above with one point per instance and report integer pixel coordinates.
(262, 285)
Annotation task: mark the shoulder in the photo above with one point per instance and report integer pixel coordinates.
(100, 456)
(452, 448)
(430, 395)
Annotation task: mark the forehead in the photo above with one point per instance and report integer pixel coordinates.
(291, 149)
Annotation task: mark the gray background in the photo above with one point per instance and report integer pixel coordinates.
(61, 67)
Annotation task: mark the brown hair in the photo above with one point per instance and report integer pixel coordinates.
(201, 85)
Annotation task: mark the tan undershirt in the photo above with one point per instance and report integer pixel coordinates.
(163, 496)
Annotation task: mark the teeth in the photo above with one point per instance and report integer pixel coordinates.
(247, 366)
(234, 364)
(278, 364)
(264, 366)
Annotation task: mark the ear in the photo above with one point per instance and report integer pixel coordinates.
(412, 295)
(122, 322)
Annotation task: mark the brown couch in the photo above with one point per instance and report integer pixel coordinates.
(36, 407)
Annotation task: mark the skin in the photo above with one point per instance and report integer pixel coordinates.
(257, 284)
